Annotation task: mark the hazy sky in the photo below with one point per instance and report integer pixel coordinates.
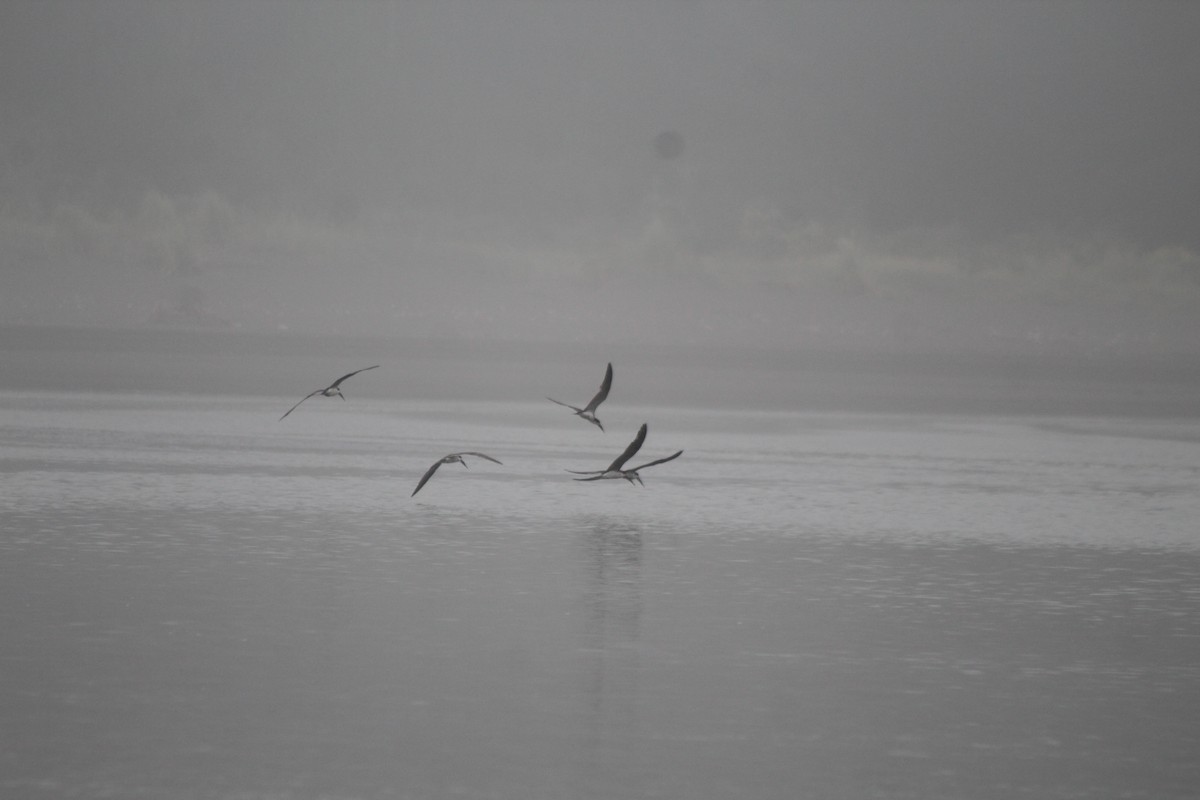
(851, 172)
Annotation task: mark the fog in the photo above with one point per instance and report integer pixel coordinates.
(929, 177)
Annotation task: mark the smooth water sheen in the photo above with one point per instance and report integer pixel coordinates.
(198, 601)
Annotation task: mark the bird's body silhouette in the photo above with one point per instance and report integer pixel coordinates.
(453, 458)
(615, 469)
(332, 390)
(588, 412)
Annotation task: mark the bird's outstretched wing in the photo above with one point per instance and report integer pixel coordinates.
(428, 474)
(671, 457)
(481, 455)
(338, 382)
(603, 393)
(634, 446)
(593, 478)
(576, 409)
(302, 399)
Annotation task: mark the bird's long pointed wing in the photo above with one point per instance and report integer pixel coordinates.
(603, 393)
(568, 405)
(671, 457)
(482, 455)
(425, 478)
(634, 446)
(586, 471)
(302, 399)
(338, 382)
(593, 478)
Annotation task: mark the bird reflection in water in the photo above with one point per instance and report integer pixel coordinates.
(611, 559)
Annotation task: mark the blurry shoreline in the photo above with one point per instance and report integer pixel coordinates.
(223, 361)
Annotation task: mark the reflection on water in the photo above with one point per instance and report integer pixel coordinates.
(611, 594)
(612, 559)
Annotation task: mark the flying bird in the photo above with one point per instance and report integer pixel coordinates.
(332, 390)
(453, 458)
(588, 412)
(615, 468)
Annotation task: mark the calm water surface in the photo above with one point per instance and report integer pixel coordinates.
(198, 601)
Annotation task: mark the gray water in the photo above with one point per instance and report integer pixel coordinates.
(198, 601)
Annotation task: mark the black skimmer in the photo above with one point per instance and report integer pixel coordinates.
(614, 469)
(331, 390)
(588, 412)
(453, 458)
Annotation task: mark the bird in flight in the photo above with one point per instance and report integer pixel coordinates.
(615, 468)
(588, 412)
(453, 458)
(332, 390)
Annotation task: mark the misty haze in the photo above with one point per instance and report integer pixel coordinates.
(915, 287)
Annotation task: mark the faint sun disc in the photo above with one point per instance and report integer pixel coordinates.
(668, 144)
